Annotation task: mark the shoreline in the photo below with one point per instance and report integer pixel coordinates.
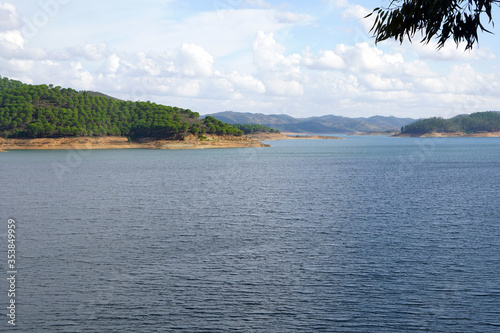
(291, 136)
(114, 142)
(374, 133)
(450, 135)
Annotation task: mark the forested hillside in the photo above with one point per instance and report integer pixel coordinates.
(255, 128)
(36, 111)
(488, 121)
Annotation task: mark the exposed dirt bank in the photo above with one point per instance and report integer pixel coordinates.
(111, 142)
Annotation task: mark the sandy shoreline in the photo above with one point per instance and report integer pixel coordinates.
(190, 142)
(451, 135)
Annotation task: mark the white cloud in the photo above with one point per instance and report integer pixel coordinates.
(80, 77)
(246, 83)
(193, 60)
(223, 32)
(17, 67)
(358, 12)
(270, 56)
(364, 58)
(417, 68)
(280, 87)
(9, 17)
(378, 82)
(280, 73)
(11, 40)
(464, 79)
(90, 51)
(112, 64)
(326, 60)
(188, 88)
(430, 84)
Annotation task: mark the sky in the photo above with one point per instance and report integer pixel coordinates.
(295, 57)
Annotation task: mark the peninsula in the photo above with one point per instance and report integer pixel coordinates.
(48, 117)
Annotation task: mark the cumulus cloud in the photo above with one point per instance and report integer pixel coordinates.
(270, 55)
(246, 83)
(326, 60)
(80, 77)
(378, 82)
(364, 58)
(11, 40)
(112, 64)
(194, 60)
(280, 73)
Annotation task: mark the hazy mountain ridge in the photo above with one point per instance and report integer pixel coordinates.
(322, 124)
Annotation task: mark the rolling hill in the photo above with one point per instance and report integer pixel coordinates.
(478, 122)
(323, 124)
(45, 111)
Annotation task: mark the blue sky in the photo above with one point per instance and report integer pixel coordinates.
(294, 57)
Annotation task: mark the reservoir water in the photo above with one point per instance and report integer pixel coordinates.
(366, 234)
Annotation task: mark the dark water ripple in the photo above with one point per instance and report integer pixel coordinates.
(360, 235)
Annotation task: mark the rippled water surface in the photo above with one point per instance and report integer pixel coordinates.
(367, 234)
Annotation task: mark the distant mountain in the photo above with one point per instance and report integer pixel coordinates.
(323, 124)
(231, 117)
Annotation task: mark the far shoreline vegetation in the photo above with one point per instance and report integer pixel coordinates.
(255, 129)
(470, 124)
(44, 111)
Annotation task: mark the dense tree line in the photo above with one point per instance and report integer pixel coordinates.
(488, 121)
(255, 128)
(47, 111)
(216, 126)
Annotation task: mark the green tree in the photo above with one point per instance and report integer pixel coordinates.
(48, 111)
(444, 19)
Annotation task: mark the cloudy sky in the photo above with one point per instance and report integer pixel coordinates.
(302, 58)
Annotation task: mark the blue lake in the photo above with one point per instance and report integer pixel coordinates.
(366, 234)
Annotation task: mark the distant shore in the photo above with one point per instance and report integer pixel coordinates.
(374, 133)
(115, 142)
(289, 136)
(450, 135)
